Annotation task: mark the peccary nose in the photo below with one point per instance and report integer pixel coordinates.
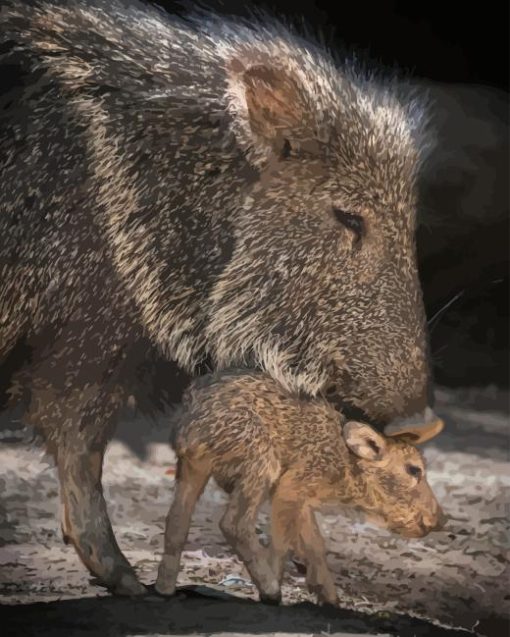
(420, 427)
(433, 521)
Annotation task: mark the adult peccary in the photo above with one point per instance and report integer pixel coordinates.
(258, 441)
(210, 190)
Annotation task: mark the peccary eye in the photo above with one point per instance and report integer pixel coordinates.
(414, 471)
(286, 150)
(351, 221)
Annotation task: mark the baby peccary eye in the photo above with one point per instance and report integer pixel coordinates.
(286, 150)
(351, 221)
(414, 471)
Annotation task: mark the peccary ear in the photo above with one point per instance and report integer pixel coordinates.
(364, 441)
(273, 100)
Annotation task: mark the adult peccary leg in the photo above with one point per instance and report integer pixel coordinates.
(191, 480)
(79, 451)
(85, 521)
(77, 423)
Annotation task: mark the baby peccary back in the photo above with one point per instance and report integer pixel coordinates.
(258, 441)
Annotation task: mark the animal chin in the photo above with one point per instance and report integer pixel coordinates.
(414, 531)
(410, 529)
(376, 519)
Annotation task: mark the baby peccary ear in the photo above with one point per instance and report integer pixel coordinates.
(364, 441)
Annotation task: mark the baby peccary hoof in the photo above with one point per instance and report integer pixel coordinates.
(166, 581)
(329, 605)
(271, 600)
(164, 589)
(325, 598)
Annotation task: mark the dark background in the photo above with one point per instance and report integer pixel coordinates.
(442, 41)
(460, 52)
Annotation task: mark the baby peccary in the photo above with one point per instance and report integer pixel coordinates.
(257, 441)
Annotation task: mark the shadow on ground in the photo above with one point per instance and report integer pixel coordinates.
(198, 610)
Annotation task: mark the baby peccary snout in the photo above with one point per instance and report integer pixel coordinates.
(258, 441)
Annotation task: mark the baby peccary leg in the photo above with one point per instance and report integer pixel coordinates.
(293, 525)
(191, 480)
(238, 526)
(284, 508)
(318, 575)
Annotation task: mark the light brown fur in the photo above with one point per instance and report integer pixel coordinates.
(258, 441)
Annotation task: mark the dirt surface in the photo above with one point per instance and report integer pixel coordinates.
(455, 579)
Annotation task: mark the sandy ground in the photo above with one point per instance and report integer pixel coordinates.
(454, 580)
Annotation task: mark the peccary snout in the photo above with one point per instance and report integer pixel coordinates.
(425, 523)
(417, 428)
(433, 520)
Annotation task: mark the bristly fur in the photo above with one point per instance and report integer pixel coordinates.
(386, 85)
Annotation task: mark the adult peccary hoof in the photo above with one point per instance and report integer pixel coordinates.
(129, 587)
